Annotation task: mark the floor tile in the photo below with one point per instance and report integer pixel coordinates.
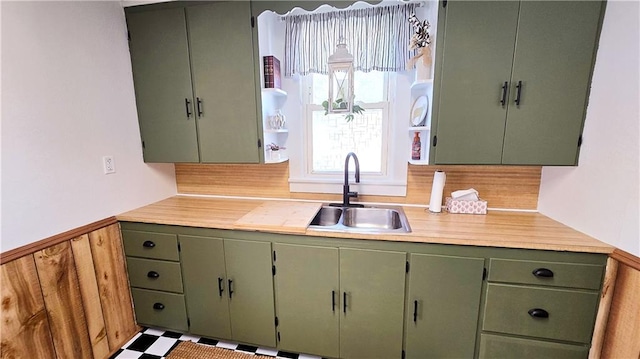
(149, 356)
(288, 355)
(126, 345)
(246, 348)
(152, 331)
(227, 345)
(129, 354)
(208, 341)
(143, 342)
(161, 346)
(267, 351)
(170, 334)
(308, 356)
(189, 337)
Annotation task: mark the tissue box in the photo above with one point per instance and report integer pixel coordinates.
(462, 206)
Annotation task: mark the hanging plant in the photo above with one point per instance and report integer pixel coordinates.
(339, 103)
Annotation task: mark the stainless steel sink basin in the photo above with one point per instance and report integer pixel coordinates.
(362, 220)
(327, 216)
(382, 218)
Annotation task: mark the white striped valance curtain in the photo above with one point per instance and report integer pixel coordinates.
(378, 38)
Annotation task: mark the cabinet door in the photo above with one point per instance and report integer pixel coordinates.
(443, 306)
(250, 284)
(478, 48)
(162, 79)
(203, 269)
(372, 315)
(308, 303)
(553, 59)
(224, 81)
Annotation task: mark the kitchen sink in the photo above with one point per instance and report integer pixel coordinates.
(376, 219)
(327, 216)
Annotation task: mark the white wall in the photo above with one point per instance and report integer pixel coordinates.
(600, 196)
(68, 100)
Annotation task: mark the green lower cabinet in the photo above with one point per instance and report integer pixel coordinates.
(160, 309)
(308, 303)
(443, 305)
(372, 303)
(558, 314)
(229, 288)
(495, 346)
(251, 302)
(205, 285)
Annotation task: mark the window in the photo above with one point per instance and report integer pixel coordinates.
(332, 136)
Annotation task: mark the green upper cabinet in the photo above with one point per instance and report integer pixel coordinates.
(513, 80)
(162, 79)
(194, 75)
(443, 305)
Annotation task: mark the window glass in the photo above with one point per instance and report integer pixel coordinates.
(334, 137)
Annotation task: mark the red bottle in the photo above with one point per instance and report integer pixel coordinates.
(416, 147)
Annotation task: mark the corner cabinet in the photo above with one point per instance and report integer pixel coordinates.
(194, 77)
(512, 80)
(349, 298)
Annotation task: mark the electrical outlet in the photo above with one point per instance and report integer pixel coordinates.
(108, 164)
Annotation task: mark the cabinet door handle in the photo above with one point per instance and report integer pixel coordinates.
(538, 313)
(158, 306)
(503, 100)
(153, 275)
(333, 300)
(543, 272)
(199, 106)
(230, 290)
(220, 289)
(148, 244)
(187, 104)
(344, 302)
(415, 311)
(518, 93)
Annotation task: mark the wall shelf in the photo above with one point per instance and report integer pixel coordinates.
(282, 130)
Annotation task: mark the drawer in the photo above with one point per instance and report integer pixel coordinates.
(572, 275)
(571, 313)
(154, 274)
(151, 245)
(495, 346)
(159, 309)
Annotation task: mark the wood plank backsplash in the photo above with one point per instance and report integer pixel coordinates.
(514, 187)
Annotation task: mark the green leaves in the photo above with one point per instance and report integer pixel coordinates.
(340, 103)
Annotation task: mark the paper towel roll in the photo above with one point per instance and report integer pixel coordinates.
(435, 203)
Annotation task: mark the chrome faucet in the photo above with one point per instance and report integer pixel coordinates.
(346, 194)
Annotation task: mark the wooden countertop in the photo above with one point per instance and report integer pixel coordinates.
(496, 229)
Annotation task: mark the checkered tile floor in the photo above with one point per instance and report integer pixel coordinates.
(153, 343)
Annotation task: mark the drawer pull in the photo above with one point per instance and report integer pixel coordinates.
(333, 300)
(344, 302)
(158, 306)
(230, 290)
(543, 272)
(148, 244)
(538, 313)
(220, 289)
(153, 275)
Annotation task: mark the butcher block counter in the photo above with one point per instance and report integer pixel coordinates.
(526, 230)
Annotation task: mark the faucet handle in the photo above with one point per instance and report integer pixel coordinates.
(353, 194)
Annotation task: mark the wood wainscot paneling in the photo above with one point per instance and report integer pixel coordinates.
(514, 187)
(67, 296)
(622, 337)
(25, 327)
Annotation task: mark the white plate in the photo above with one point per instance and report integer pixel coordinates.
(419, 111)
